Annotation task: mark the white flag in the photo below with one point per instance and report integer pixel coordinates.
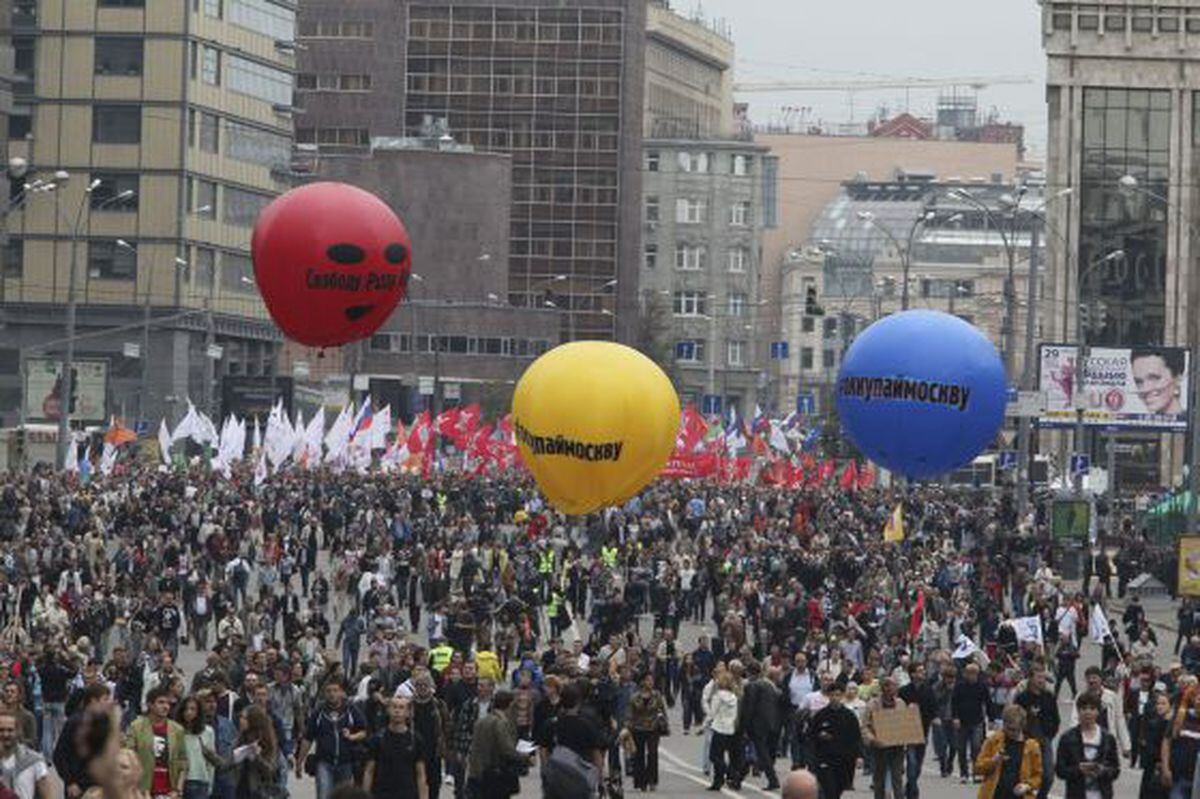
(338, 437)
(187, 425)
(380, 426)
(260, 470)
(299, 437)
(1028, 628)
(71, 459)
(1098, 627)
(164, 442)
(204, 432)
(965, 648)
(277, 442)
(314, 434)
(108, 459)
(778, 438)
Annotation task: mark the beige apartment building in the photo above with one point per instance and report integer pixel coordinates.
(164, 128)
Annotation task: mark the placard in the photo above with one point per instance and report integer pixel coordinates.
(899, 726)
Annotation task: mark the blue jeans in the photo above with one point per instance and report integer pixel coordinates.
(1047, 767)
(53, 720)
(914, 759)
(330, 776)
(196, 789)
(943, 748)
(968, 739)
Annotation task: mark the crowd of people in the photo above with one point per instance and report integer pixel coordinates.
(450, 635)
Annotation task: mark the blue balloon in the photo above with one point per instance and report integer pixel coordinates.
(921, 393)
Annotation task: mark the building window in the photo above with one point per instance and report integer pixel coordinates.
(650, 256)
(109, 261)
(806, 357)
(689, 351)
(1114, 20)
(741, 165)
(111, 185)
(651, 209)
(212, 8)
(738, 257)
(205, 262)
(830, 327)
(737, 304)
(242, 207)
(808, 324)
(690, 212)
(264, 17)
(237, 273)
(694, 162)
(736, 350)
(1168, 20)
(739, 214)
(118, 55)
(210, 132)
(1060, 18)
(336, 29)
(690, 258)
(258, 80)
(121, 3)
(210, 66)
(381, 342)
(690, 303)
(651, 160)
(1089, 22)
(1142, 24)
(1125, 132)
(204, 200)
(255, 145)
(14, 258)
(117, 124)
(355, 138)
(828, 359)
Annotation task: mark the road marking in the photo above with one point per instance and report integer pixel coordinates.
(669, 755)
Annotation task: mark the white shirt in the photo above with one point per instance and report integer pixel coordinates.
(25, 784)
(800, 685)
(722, 711)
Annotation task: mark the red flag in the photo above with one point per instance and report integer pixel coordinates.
(918, 616)
(446, 423)
(468, 420)
(849, 478)
(692, 428)
(118, 434)
(741, 468)
(866, 476)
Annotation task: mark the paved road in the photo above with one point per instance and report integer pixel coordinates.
(679, 763)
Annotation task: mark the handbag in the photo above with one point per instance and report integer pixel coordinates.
(661, 726)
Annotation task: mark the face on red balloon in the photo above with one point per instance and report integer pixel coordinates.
(332, 262)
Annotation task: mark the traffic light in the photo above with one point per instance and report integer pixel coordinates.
(1100, 317)
(811, 307)
(19, 448)
(1085, 317)
(74, 390)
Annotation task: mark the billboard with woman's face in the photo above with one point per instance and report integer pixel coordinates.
(1142, 387)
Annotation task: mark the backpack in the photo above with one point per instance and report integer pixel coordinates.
(566, 775)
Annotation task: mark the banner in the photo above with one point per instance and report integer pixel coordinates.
(1028, 628)
(1189, 565)
(1143, 388)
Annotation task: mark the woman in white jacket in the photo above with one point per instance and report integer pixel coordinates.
(722, 711)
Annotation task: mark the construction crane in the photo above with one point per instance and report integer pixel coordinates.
(975, 82)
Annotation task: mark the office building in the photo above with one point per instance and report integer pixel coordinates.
(163, 128)
(555, 85)
(454, 339)
(1123, 126)
(851, 271)
(689, 76)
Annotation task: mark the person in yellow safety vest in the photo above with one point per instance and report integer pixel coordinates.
(487, 663)
(559, 620)
(440, 656)
(608, 556)
(546, 571)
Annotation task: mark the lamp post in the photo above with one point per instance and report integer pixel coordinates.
(68, 366)
(904, 249)
(144, 394)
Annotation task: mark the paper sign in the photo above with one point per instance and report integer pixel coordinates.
(899, 726)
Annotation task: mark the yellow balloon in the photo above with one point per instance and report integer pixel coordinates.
(595, 422)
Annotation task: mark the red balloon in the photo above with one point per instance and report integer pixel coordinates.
(331, 261)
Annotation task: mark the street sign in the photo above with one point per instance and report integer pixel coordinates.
(710, 404)
(452, 391)
(806, 403)
(141, 427)
(425, 386)
(300, 369)
(1011, 394)
(131, 349)
(1007, 459)
(1026, 404)
(779, 350)
(1080, 463)
(215, 351)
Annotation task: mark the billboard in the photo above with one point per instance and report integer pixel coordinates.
(1143, 387)
(43, 390)
(253, 397)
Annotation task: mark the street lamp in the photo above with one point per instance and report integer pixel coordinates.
(904, 249)
(68, 366)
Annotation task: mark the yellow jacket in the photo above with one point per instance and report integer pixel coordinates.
(986, 767)
(488, 665)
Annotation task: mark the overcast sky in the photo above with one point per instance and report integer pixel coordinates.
(815, 40)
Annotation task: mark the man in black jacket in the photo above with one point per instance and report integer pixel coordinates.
(758, 719)
(1041, 721)
(1088, 776)
(969, 707)
(918, 692)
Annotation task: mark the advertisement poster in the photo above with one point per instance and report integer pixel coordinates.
(44, 388)
(1189, 565)
(1070, 519)
(1130, 388)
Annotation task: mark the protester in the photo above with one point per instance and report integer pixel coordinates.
(1009, 763)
